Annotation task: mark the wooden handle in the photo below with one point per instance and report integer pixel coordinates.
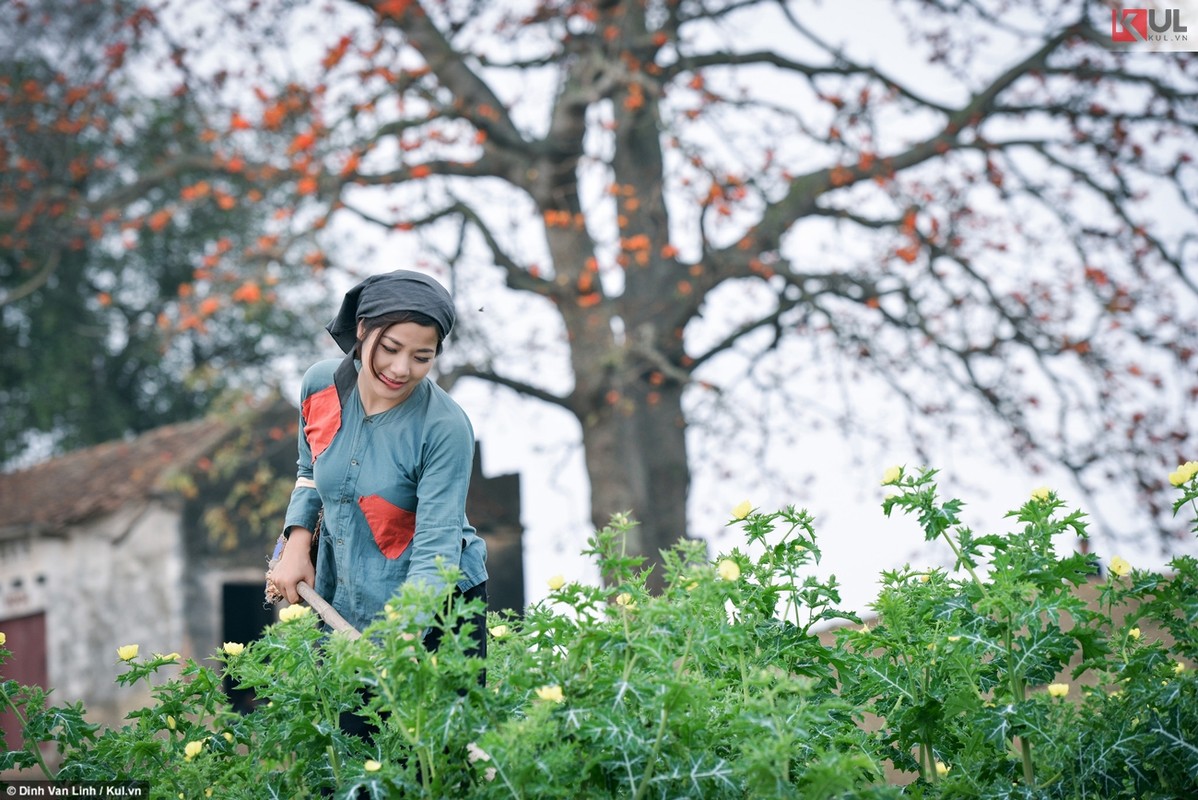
(326, 611)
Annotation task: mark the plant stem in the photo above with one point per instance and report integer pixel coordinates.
(649, 767)
(35, 750)
(1018, 694)
(661, 725)
(960, 560)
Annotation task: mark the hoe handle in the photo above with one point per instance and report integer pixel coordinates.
(326, 611)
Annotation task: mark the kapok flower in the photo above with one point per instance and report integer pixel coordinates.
(499, 631)
(233, 648)
(293, 612)
(127, 652)
(1058, 689)
(892, 475)
(551, 693)
(729, 570)
(192, 749)
(1119, 566)
(1184, 473)
(556, 582)
(372, 766)
(1042, 494)
(742, 509)
(942, 769)
(475, 753)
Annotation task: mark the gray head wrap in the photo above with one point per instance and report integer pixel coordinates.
(402, 290)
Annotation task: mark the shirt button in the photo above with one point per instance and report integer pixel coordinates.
(340, 541)
(354, 462)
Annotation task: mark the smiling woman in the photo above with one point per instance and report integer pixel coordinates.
(385, 458)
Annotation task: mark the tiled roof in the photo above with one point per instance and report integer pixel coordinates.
(87, 483)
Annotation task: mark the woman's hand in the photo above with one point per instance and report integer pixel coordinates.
(294, 565)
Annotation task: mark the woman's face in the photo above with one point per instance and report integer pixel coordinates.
(397, 359)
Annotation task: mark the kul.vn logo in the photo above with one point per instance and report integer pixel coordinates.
(1142, 25)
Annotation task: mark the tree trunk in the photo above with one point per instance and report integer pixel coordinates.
(637, 462)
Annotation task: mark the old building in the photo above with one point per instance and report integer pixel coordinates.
(162, 541)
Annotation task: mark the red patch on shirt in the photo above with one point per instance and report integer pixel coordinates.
(322, 419)
(392, 526)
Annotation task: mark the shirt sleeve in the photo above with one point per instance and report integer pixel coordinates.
(304, 506)
(442, 484)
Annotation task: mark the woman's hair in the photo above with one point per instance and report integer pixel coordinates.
(385, 321)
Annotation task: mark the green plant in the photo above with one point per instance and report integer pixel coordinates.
(996, 678)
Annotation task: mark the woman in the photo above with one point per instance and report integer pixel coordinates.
(386, 456)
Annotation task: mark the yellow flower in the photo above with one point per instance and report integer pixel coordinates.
(170, 722)
(742, 510)
(228, 737)
(293, 612)
(1119, 566)
(942, 768)
(553, 693)
(127, 652)
(372, 766)
(1184, 473)
(729, 570)
(168, 656)
(232, 648)
(1178, 667)
(556, 582)
(192, 749)
(625, 599)
(954, 638)
(1058, 689)
(1134, 633)
(1042, 494)
(499, 631)
(892, 475)
(3, 638)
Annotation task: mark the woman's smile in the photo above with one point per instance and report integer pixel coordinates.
(393, 384)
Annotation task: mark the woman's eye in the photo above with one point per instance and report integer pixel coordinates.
(424, 360)
(390, 350)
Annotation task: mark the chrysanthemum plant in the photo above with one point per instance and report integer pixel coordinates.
(992, 678)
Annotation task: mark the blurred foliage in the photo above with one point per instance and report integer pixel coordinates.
(108, 329)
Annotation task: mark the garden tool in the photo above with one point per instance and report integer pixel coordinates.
(321, 606)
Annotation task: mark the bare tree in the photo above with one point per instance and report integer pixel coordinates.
(684, 181)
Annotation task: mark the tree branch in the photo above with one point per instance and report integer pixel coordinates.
(448, 379)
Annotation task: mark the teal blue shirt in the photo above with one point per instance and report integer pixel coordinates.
(393, 488)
